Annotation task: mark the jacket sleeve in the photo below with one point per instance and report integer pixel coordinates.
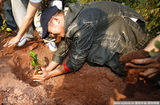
(80, 46)
(61, 52)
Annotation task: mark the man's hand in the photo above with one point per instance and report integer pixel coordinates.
(151, 65)
(44, 74)
(12, 42)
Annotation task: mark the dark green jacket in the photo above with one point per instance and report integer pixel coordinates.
(90, 38)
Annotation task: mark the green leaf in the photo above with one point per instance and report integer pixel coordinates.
(36, 57)
(33, 63)
(157, 44)
(158, 4)
(152, 53)
(32, 54)
(36, 67)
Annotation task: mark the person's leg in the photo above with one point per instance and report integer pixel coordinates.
(123, 36)
(37, 23)
(9, 16)
(129, 36)
(19, 11)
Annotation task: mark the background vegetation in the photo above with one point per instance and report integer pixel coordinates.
(149, 9)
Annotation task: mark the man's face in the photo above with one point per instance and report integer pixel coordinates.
(56, 26)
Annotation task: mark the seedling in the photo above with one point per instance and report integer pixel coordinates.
(153, 52)
(36, 63)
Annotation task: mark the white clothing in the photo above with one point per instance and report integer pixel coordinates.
(35, 1)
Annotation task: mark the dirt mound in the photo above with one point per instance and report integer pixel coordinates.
(89, 86)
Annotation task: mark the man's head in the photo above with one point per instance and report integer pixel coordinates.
(52, 20)
(56, 24)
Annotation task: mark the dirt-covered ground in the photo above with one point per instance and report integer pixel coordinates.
(89, 86)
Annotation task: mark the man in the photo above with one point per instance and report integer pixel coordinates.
(24, 12)
(99, 33)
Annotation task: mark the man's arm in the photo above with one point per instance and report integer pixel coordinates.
(80, 46)
(48, 74)
(58, 71)
(61, 52)
(78, 54)
(52, 65)
(31, 11)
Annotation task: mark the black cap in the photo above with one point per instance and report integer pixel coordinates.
(45, 17)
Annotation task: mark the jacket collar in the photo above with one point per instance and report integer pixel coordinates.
(72, 12)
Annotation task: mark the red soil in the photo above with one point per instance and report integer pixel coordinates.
(89, 86)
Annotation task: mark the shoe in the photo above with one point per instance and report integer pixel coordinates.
(22, 42)
(50, 42)
(52, 46)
